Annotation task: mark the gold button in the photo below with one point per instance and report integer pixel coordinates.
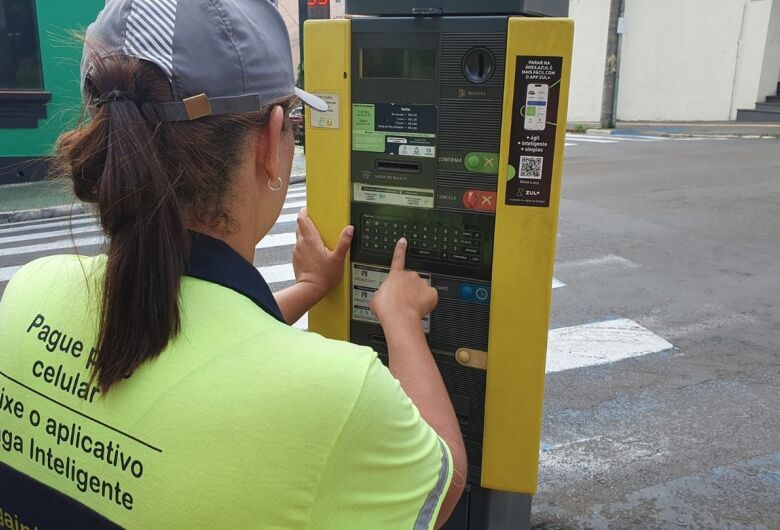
(463, 356)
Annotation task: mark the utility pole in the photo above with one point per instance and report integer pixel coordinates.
(610, 68)
(303, 14)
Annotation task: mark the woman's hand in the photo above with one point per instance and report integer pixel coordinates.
(403, 294)
(315, 266)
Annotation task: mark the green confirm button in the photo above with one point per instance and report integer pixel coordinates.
(479, 162)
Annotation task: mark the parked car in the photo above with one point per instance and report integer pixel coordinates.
(298, 125)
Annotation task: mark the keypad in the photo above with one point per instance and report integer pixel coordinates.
(427, 240)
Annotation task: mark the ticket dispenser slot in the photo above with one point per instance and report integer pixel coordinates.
(432, 145)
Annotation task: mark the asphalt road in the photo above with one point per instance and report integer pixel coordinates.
(689, 437)
(662, 405)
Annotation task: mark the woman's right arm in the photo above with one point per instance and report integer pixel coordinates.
(401, 302)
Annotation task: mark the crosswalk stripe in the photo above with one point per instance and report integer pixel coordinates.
(294, 204)
(7, 272)
(12, 228)
(54, 245)
(295, 195)
(277, 240)
(277, 273)
(287, 218)
(43, 235)
(269, 241)
(303, 322)
(600, 343)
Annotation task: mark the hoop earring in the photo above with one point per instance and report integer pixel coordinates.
(277, 188)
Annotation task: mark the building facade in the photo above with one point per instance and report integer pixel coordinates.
(692, 60)
(39, 86)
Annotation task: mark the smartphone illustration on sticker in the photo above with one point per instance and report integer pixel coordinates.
(536, 107)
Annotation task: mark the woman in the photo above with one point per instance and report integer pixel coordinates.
(161, 384)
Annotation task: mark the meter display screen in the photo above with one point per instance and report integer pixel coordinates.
(398, 63)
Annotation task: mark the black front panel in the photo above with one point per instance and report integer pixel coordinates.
(426, 121)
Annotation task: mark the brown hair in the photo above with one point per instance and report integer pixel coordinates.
(148, 179)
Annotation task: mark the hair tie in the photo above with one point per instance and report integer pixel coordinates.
(114, 95)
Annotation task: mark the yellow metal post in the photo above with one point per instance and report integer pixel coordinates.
(524, 250)
(327, 47)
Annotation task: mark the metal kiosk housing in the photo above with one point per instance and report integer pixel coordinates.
(447, 126)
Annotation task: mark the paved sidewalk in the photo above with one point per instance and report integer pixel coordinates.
(48, 198)
(715, 128)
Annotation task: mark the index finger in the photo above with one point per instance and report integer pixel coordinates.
(306, 225)
(399, 256)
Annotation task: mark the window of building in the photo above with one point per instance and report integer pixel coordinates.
(22, 98)
(20, 55)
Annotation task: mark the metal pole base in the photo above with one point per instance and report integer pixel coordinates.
(483, 509)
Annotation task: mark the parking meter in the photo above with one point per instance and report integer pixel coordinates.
(447, 127)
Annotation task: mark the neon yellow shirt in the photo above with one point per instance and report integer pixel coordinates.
(242, 422)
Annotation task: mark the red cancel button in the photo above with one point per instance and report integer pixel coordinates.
(481, 201)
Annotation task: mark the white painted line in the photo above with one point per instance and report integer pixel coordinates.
(583, 138)
(278, 273)
(296, 195)
(602, 261)
(633, 138)
(55, 245)
(703, 139)
(303, 323)
(287, 218)
(43, 235)
(7, 272)
(297, 187)
(52, 224)
(276, 240)
(567, 144)
(294, 204)
(557, 284)
(600, 343)
(272, 240)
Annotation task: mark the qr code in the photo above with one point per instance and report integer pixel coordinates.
(531, 167)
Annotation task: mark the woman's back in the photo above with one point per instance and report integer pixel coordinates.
(242, 421)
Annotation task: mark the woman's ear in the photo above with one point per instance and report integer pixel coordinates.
(273, 143)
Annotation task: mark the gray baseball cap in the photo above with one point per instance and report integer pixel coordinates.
(221, 56)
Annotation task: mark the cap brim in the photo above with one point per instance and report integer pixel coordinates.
(311, 100)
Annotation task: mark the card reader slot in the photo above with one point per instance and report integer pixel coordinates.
(394, 166)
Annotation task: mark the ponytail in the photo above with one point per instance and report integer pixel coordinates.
(147, 249)
(149, 181)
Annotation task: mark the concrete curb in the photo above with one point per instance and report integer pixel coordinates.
(615, 132)
(50, 212)
(66, 210)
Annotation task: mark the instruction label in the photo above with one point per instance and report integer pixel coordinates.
(534, 130)
(395, 195)
(366, 280)
(390, 128)
(328, 119)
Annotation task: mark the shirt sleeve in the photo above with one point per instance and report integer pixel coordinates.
(387, 468)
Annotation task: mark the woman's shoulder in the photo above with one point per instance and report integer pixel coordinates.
(59, 264)
(50, 271)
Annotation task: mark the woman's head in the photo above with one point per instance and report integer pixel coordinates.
(161, 152)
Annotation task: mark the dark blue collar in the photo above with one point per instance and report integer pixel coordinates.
(214, 261)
